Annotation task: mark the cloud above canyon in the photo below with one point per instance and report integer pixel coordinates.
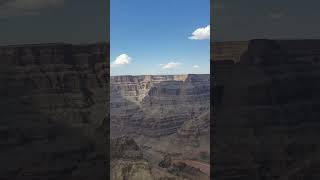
(201, 33)
(171, 65)
(122, 60)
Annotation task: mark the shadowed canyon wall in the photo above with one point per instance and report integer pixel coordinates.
(266, 112)
(53, 111)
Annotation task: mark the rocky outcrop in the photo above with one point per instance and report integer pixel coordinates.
(195, 127)
(266, 111)
(124, 147)
(127, 161)
(166, 161)
(53, 111)
(159, 105)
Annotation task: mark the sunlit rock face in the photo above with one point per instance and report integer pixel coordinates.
(157, 105)
(266, 112)
(53, 111)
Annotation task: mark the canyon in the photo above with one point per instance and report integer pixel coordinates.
(266, 112)
(265, 109)
(158, 105)
(167, 116)
(54, 118)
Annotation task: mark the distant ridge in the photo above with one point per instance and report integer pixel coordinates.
(160, 75)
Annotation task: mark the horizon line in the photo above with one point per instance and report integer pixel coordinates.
(163, 74)
(107, 42)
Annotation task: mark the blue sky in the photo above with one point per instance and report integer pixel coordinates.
(152, 37)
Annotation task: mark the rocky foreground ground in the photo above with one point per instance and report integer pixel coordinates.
(128, 161)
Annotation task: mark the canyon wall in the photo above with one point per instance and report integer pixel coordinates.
(157, 105)
(266, 112)
(53, 111)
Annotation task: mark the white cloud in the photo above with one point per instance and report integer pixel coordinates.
(170, 65)
(195, 66)
(122, 60)
(201, 33)
(26, 7)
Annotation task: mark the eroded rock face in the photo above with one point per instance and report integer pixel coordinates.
(157, 105)
(195, 127)
(266, 112)
(53, 111)
(166, 161)
(125, 147)
(127, 161)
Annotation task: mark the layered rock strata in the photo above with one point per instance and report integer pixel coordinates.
(196, 127)
(266, 112)
(53, 111)
(157, 105)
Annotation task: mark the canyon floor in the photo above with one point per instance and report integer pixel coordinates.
(167, 120)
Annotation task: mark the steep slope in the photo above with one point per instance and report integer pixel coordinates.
(266, 112)
(161, 113)
(53, 111)
(157, 104)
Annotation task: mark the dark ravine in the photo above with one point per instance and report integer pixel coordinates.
(266, 112)
(53, 111)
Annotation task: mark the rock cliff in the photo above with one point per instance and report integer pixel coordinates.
(53, 111)
(157, 105)
(266, 112)
(164, 114)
